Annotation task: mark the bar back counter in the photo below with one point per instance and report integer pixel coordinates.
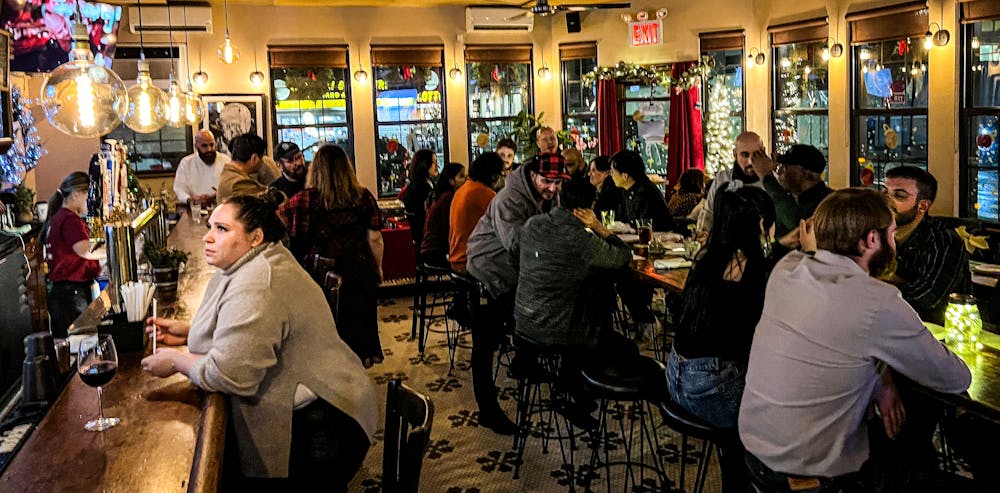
(171, 434)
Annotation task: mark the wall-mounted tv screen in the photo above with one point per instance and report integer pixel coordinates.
(42, 31)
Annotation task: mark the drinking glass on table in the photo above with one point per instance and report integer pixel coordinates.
(645, 229)
(97, 363)
(196, 211)
(607, 218)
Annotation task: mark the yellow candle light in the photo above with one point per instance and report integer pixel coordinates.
(963, 325)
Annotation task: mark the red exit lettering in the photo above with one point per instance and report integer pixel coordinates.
(646, 33)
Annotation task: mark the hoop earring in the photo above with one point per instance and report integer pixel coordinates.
(766, 245)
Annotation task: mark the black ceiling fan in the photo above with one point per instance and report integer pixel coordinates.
(544, 8)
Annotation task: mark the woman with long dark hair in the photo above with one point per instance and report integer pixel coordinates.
(419, 193)
(608, 195)
(723, 300)
(640, 198)
(72, 266)
(335, 217)
(434, 248)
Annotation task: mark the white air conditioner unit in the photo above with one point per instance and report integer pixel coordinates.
(498, 19)
(155, 19)
(161, 61)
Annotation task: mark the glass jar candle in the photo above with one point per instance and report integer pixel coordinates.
(962, 324)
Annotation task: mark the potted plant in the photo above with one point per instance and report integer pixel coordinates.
(166, 262)
(24, 204)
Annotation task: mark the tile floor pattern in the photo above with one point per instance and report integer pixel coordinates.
(462, 456)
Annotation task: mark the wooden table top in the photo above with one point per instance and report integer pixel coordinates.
(671, 279)
(171, 435)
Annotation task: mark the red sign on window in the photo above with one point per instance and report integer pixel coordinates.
(646, 33)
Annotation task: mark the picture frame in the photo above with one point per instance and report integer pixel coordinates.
(230, 115)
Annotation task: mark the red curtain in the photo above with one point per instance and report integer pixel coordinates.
(609, 130)
(686, 148)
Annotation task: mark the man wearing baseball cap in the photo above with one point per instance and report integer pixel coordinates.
(492, 259)
(293, 168)
(799, 185)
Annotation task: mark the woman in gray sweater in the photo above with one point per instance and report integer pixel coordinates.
(302, 407)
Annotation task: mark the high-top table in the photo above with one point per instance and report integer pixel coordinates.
(171, 434)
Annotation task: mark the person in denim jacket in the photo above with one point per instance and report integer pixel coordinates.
(723, 299)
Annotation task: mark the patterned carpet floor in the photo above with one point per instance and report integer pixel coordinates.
(464, 457)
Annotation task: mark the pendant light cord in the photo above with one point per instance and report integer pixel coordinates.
(187, 46)
(170, 36)
(142, 45)
(227, 18)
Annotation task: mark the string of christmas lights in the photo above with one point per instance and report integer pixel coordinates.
(23, 156)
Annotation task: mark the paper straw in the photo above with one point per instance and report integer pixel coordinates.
(154, 326)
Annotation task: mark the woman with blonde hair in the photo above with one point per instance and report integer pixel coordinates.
(337, 218)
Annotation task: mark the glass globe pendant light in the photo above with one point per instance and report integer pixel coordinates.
(194, 107)
(175, 105)
(228, 52)
(81, 98)
(147, 106)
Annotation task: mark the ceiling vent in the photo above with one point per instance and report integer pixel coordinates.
(497, 19)
(155, 19)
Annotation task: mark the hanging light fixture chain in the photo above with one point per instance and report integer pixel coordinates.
(170, 36)
(187, 46)
(227, 18)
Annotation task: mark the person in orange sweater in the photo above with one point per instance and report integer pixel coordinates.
(470, 204)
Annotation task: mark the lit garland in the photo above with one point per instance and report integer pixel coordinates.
(27, 149)
(718, 134)
(658, 75)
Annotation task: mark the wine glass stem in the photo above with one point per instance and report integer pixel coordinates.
(100, 402)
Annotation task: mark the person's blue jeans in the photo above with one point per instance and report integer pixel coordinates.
(709, 388)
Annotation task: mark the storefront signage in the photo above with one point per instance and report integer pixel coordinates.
(429, 97)
(646, 33)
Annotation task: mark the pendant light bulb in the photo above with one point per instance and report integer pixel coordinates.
(257, 77)
(194, 108)
(975, 43)
(81, 98)
(229, 53)
(148, 105)
(455, 73)
(928, 40)
(544, 73)
(200, 79)
(360, 75)
(825, 54)
(175, 106)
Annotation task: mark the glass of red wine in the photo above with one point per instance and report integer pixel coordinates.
(97, 363)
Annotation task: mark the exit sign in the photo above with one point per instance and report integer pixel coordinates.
(646, 33)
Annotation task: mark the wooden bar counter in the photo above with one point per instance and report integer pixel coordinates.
(171, 434)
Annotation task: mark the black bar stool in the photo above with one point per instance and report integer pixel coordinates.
(636, 384)
(433, 282)
(536, 369)
(689, 425)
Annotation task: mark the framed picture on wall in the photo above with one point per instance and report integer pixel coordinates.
(231, 115)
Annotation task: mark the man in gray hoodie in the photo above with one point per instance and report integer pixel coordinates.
(492, 259)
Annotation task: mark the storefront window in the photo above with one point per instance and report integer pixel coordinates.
(312, 107)
(801, 97)
(157, 151)
(726, 82)
(580, 104)
(409, 116)
(499, 87)
(890, 107)
(981, 120)
(646, 119)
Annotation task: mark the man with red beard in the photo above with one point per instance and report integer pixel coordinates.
(931, 261)
(821, 354)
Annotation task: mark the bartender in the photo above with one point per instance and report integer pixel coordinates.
(72, 265)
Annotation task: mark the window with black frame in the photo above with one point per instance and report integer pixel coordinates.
(312, 97)
(800, 86)
(579, 100)
(409, 110)
(498, 87)
(155, 152)
(980, 116)
(722, 96)
(890, 74)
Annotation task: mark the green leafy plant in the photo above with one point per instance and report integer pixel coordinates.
(164, 256)
(24, 197)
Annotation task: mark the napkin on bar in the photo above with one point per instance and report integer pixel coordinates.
(671, 263)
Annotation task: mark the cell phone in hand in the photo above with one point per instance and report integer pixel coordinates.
(97, 245)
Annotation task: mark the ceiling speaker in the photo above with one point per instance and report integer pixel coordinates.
(573, 22)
